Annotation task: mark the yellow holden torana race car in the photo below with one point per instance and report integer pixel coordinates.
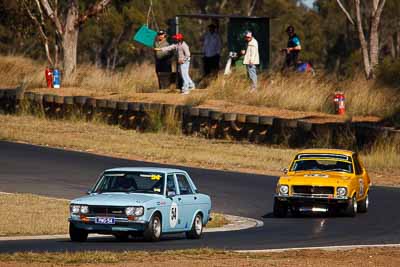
(323, 180)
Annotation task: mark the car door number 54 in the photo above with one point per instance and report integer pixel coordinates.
(173, 215)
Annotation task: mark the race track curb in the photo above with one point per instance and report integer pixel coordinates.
(237, 223)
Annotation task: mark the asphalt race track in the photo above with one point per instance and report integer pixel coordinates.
(59, 173)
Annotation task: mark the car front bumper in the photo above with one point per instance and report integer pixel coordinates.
(308, 202)
(120, 225)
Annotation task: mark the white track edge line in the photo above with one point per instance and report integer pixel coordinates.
(344, 247)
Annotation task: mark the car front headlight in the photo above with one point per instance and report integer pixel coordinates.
(75, 209)
(341, 191)
(84, 209)
(134, 211)
(139, 211)
(283, 189)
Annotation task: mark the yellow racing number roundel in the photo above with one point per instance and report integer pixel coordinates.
(155, 177)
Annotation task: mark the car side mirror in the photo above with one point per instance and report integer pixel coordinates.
(89, 192)
(285, 170)
(171, 193)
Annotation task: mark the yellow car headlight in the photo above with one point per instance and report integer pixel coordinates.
(341, 191)
(283, 189)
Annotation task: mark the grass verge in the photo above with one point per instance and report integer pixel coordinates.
(209, 257)
(35, 220)
(381, 161)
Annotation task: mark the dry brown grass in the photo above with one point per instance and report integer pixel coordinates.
(27, 214)
(134, 78)
(17, 70)
(306, 93)
(381, 161)
(384, 154)
(209, 257)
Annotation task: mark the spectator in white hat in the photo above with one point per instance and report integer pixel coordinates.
(251, 59)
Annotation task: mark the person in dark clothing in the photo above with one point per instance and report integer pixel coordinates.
(163, 60)
(211, 51)
(293, 49)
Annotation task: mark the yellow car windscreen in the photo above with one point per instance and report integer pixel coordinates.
(322, 164)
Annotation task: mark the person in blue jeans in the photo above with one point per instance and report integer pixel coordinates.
(183, 60)
(251, 59)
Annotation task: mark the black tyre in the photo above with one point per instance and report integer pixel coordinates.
(280, 208)
(296, 212)
(363, 205)
(76, 234)
(197, 228)
(122, 237)
(153, 229)
(352, 206)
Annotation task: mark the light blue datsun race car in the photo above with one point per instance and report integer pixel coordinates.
(148, 201)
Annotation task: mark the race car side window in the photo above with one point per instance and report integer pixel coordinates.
(171, 184)
(357, 166)
(184, 186)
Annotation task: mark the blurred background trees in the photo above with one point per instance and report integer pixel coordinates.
(329, 40)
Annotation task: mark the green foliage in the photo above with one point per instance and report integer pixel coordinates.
(389, 73)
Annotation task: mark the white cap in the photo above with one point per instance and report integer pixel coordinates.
(248, 34)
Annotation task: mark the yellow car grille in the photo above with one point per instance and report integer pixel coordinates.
(306, 190)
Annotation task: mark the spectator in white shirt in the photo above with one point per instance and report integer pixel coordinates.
(211, 51)
(251, 59)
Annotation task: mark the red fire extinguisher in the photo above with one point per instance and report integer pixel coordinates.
(339, 103)
(49, 77)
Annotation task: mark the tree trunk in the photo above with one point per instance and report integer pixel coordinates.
(373, 49)
(115, 57)
(398, 44)
(252, 5)
(374, 35)
(97, 59)
(392, 46)
(70, 40)
(364, 45)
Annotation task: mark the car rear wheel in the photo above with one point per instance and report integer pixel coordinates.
(197, 228)
(363, 205)
(352, 206)
(280, 208)
(153, 230)
(76, 234)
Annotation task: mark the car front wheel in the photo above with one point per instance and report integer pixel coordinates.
(352, 206)
(197, 228)
(363, 205)
(76, 234)
(280, 208)
(153, 230)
